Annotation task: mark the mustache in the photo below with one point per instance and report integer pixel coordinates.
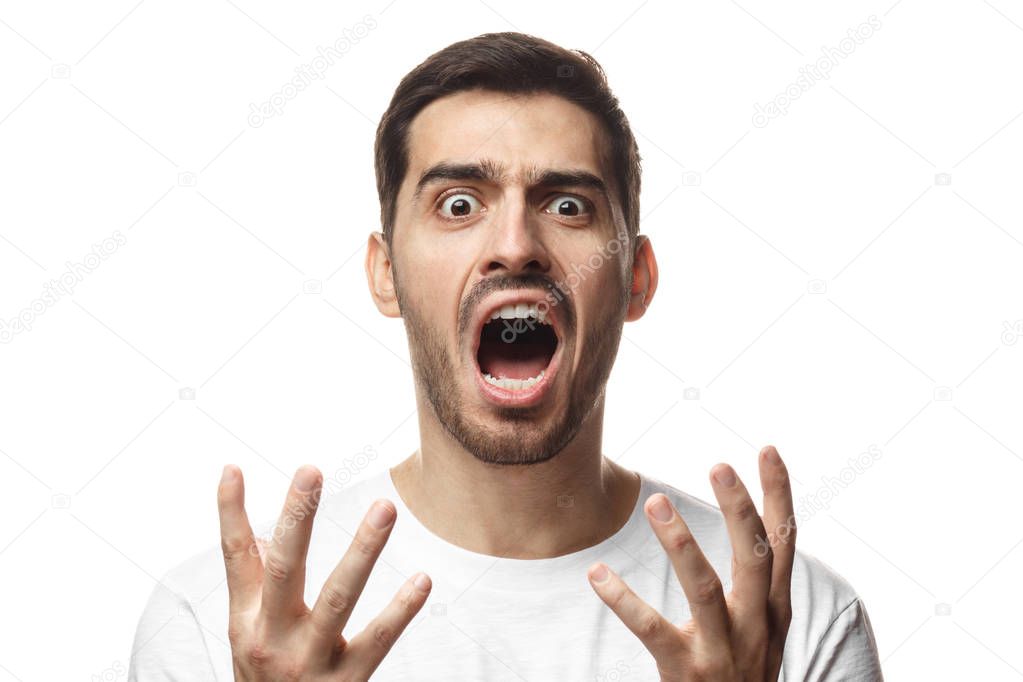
(556, 296)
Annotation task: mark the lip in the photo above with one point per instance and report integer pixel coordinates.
(528, 396)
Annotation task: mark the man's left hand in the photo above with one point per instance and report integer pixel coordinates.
(738, 637)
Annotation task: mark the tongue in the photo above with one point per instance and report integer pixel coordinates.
(520, 360)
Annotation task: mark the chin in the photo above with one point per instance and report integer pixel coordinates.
(513, 436)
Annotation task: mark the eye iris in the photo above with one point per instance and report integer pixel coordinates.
(572, 208)
(460, 207)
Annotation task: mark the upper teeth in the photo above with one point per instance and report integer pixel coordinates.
(520, 310)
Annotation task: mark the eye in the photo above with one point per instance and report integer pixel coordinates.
(459, 205)
(567, 205)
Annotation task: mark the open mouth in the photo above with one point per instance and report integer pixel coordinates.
(516, 346)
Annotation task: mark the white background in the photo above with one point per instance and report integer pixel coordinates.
(823, 288)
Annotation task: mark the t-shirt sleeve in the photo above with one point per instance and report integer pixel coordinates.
(169, 646)
(847, 650)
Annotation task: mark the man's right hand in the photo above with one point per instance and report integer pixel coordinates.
(273, 634)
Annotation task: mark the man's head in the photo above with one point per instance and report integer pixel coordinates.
(509, 186)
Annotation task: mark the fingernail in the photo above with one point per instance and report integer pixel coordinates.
(228, 474)
(599, 574)
(380, 515)
(725, 476)
(305, 479)
(772, 456)
(422, 582)
(661, 510)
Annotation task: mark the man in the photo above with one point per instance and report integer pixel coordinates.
(509, 187)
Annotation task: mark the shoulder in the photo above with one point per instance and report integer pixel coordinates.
(169, 642)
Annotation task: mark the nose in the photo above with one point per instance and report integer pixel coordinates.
(514, 245)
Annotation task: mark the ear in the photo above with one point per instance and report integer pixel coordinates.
(380, 275)
(644, 278)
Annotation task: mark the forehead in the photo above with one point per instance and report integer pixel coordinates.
(521, 131)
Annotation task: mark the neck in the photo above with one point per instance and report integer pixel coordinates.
(574, 500)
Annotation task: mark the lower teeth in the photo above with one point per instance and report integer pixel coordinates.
(513, 384)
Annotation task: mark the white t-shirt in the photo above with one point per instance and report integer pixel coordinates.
(494, 619)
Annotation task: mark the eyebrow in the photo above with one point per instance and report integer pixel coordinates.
(487, 170)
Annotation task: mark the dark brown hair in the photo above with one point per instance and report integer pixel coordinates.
(513, 63)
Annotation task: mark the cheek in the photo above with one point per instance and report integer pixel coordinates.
(597, 274)
(428, 264)
(603, 295)
(432, 284)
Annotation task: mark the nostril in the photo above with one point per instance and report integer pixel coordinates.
(532, 266)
